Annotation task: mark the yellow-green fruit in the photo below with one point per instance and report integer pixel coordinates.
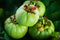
(27, 15)
(43, 29)
(13, 29)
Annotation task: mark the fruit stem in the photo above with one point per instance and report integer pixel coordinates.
(36, 0)
(13, 19)
(30, 1)
(14, 16)
(41, 28)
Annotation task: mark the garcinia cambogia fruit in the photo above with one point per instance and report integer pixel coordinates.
(27, 14)
(13, 29)
(42, 29)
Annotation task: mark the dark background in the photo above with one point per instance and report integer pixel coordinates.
(9, 8)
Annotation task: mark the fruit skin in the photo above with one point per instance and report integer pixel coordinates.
(16, 31)
(40, 5)
(26, 18)
(42, 8)
(38, 34)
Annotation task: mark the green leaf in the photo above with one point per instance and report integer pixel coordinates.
(55, 16)
(55, 38)
(54, 7)
(1, 12)
(6, 36)
(0, 28)
(46, 2)
(57, 25)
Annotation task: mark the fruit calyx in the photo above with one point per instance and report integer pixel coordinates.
(42, 24)
(13, 20)
(41, 28)
(35, 3)
(47, 21)
(29, 8)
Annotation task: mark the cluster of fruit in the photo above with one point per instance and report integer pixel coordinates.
(29, 15)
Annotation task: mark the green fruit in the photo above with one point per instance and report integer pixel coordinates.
(56, 36)
(43, 29)
(40, 5)
(13, 29)
(27, 15)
